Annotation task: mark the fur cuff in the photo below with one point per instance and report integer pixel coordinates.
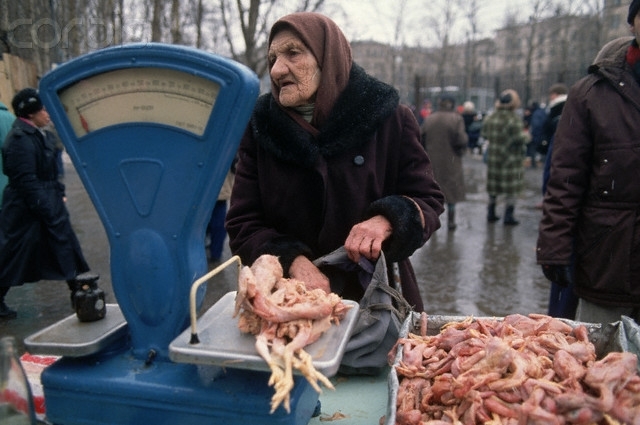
(406, 221)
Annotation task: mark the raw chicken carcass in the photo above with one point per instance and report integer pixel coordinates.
(285, 317)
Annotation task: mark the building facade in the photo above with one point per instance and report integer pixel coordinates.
(526, 57)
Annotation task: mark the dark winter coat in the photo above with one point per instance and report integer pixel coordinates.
(550, 126)
(36, 238)
(295, 194)
(445, 141)
(593, 197)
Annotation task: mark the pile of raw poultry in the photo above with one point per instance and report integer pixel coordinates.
(517, 370)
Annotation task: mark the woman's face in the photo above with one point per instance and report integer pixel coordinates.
(41, 118)
(293, 69)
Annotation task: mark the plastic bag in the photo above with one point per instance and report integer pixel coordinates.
(381, 314)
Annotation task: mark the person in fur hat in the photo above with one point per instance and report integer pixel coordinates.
(330, 158)
(589, 235)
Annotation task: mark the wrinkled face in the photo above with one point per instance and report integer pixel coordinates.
(293, 69)
(40, 118)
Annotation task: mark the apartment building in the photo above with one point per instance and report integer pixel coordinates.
(527, 57)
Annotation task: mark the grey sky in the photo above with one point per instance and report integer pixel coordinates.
(375, 19)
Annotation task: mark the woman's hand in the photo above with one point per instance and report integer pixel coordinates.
(365, 238)
(305, 271)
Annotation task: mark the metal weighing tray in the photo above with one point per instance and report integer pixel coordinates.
(222, 343)
(73, 338)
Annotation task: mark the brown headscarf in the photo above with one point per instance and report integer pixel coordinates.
(332, 52)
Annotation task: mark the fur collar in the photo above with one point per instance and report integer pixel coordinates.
(359, 111)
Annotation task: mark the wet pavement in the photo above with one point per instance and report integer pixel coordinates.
(479, 269)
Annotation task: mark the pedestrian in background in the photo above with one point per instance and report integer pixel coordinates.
(425, 111)
(37, 241)
(589, 234)
(562, 300)
(445, 140)
(536, 117)
(504, 130)
(557, 99)
(216, 232)
(6, 121)
(472, 125)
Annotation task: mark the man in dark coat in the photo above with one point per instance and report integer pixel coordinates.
(36, 238)
(589, 235)
(330, 158)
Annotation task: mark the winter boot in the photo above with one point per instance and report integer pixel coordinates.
(451, 219)
(6, 312)
(509, 220)
(491, 213)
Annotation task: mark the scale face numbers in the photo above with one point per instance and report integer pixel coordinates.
(141, 95)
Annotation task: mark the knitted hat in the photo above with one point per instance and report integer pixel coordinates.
(633, 11)
(26, 102)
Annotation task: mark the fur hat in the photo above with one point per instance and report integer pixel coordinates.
(634, 7)
(508, 99)
(26, 102)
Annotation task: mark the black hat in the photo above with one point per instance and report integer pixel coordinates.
(26, 102)
(633, 11)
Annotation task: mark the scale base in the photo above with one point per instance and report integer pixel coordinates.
(120, 390)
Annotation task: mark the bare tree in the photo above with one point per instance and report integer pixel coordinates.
(176, 33)
(540, 7)
(470, 10)
(441, 23)
(198, 22)
(398, 42)
(156, 20)
(246, 26)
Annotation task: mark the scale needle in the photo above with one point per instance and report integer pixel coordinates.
(83, 121)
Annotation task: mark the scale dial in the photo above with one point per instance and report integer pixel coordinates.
(141, 95)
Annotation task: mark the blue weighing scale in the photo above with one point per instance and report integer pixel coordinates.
(152, 130)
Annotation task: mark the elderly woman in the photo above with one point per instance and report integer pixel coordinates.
(504, 130)
(329, 159)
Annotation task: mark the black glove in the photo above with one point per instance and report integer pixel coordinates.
(559, 274)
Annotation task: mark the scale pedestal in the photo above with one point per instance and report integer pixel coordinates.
(152, 130)
(117, 389)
